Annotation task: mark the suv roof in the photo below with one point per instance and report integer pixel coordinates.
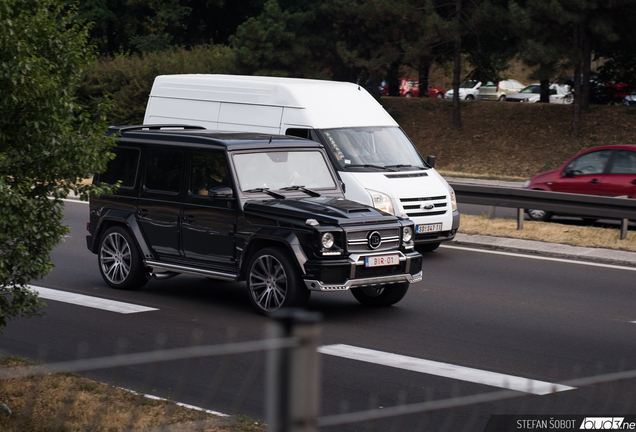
(169, 134)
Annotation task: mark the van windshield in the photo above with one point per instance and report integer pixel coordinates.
(372, 149)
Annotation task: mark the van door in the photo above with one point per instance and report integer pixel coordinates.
(159, 206)
(209, 211)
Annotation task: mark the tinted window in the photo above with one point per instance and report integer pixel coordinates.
(625, 162)
(163, 172)
(208, 171)
(590, 163)
(123, 168)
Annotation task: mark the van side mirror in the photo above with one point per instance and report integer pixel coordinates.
(221, 192)
(431, 161)
(343, 186)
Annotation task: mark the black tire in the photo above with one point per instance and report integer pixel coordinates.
(539, 215)
(381, 296)
(273, 281)
(119, 260)
(502, 98)
(439, 96)
(427, 247)
(470, 97)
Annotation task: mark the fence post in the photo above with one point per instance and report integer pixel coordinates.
(624, 227)
(292, 393)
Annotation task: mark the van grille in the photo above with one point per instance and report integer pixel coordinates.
(357, 241)
(425, 206)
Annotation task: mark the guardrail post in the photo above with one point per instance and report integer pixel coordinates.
(624, 226)
(292, 394)
(520, 217)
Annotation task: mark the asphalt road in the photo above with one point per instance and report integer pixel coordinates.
(477, 323)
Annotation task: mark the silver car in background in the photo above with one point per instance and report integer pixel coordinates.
(498, 90)
(469, 90)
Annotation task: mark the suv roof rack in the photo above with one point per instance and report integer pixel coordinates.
(121, 129)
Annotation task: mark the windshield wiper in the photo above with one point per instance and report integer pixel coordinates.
(370, 166)
(267, 191)
(301, 188)
(404, 166)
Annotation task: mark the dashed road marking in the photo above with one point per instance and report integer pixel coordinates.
(90, 301)
(444, 369)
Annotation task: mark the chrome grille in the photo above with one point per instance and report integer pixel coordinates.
(413, 207)
(357, 241)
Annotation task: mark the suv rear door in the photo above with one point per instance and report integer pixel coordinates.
(159, 208)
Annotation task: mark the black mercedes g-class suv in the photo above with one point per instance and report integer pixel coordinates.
(268, 210)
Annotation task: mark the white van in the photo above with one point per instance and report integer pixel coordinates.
(376, 161)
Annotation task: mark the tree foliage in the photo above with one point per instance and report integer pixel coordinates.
(48, 144)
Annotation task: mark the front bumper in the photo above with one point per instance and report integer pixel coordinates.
(439, 236)
(344, 274)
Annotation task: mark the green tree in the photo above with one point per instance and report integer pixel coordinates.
(47, 143)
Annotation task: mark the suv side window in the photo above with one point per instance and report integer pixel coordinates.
(163, 170)
(122, 168)
(209, 170)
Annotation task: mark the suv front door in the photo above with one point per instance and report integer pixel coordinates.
(209, 211)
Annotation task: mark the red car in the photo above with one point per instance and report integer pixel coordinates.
(411, 88)
(607, 170)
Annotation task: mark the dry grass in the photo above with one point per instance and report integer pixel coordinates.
(67, 402)
(587, 236)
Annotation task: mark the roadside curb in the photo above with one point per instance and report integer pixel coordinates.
(557, 250)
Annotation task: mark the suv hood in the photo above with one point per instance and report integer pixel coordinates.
(326, 210)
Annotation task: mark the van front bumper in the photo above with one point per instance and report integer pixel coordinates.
(344, 274)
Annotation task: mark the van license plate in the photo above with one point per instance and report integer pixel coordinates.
(381, 260)
(421, 229)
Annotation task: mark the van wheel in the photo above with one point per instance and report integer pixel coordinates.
(274, 281)
(470, 97)
(385, 295)
(120, 261)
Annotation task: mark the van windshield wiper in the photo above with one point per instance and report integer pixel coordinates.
(301, 188)
(405, 166)
(267, 191)
(370, 166)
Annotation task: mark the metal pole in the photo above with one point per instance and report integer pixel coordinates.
(624, 226)
(520, 217)
(293, 374)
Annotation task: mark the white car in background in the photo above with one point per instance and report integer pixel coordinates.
(467, 91)
(559, 94)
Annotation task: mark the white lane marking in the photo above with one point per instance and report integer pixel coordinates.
(89, 301)
(444, 369)
(544, 258)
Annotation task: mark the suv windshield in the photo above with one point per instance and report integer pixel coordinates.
(282, 169)
(372, 148)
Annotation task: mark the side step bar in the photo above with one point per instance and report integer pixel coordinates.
(175, 268)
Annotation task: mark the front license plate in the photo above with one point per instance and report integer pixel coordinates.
(421, 229)
(381, 260)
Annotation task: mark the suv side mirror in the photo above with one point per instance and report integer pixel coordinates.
(221, 192)
(431, 161)
(568, 171)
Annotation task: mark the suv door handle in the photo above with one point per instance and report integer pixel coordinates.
(188, 219)
(143, 212)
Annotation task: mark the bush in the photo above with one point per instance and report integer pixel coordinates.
(127, 79)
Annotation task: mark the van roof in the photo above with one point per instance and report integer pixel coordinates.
(329, 104)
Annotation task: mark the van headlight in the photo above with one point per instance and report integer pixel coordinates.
(327, 240)
(453, 198)
(407, 234)
(381, 201)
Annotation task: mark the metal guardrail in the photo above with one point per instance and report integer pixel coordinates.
(561, 203)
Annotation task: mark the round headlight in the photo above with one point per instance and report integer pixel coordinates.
(407, 234)
(327, 240)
